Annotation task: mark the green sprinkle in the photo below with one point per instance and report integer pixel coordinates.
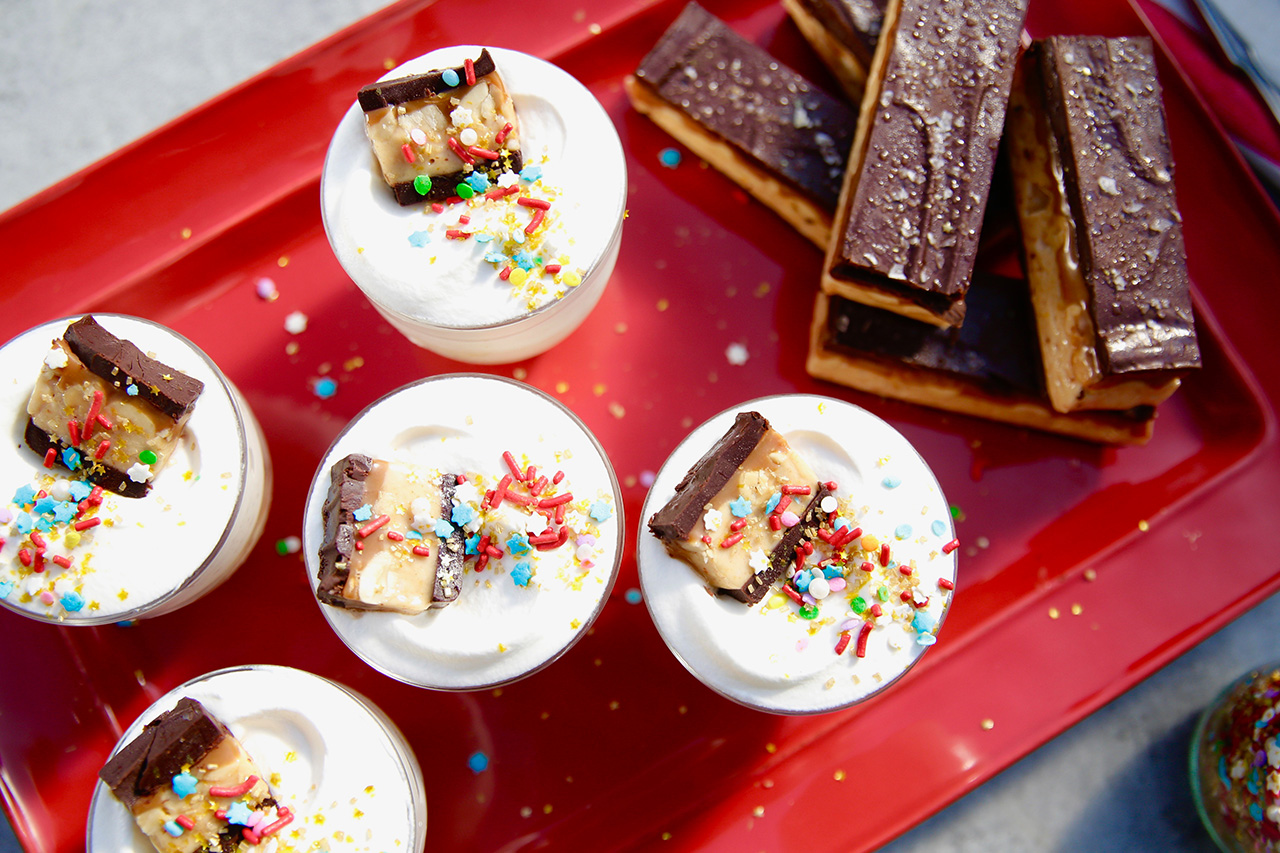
(422, 184)
(464, 190)
(883, 593)
(282, 547)
(809, 611)
(858, 605)
(147, 457)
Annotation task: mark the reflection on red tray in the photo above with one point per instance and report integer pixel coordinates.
(616, 743)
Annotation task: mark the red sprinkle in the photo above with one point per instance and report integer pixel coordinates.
(906, 570)
(408, 153)
(535, 222)
(505, 273)
(103, 447)
(105, 421)
(951, 546)
(527, 201)
(494, 551)
(796, 490)
(782, 505)
(905, 595)
(793, 593)
(884, 554)
(184, 822)
(738, 524)
(73, 429)
(502, 134)
(536, 488)
(455, 234)
(551, 269)
(469, 66)
(843, 643)
(706, 538)
(50, 455)
(38, 540)
(547, 503)
(395, 536)
(501, 491)
(94, 408)
(807, 546)
(946, 584)
(373, 525)
(437, 207)
(868, 566)
(95, 496)
(558, 477)
(481, 562)
(286, 816)
(831, 485)
(456, 147)
(826, 536)
(24, 556)
(523, 500)
(86, 523)
(543, 538)
(483, 153)
(863, 633)
(732, 540)
(775, 523)
(464, 219)
(560, 513)
(65, 562)
(876, 610)
(422, 550)
(234, 790)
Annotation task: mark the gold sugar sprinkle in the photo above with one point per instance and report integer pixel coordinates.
(562, 387)
(613, 706)
(988, 724)
(595, 29)
(598, 389)
(282, 261)
(1076, 610)
(758, 811)
(663, 304)
(186, 233)
(620, 328)
(1090, 575)
(770, 748)
(1143, 526)
(520, 373)
(1053, 613)
(617, 410)
(839, 775)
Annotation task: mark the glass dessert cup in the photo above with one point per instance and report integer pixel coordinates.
(206, 510)
(498, 630)
(331, 756)
(767, 656)
(440, 292)
(1235, 764)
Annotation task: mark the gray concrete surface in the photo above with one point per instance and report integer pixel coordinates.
(1115, 782)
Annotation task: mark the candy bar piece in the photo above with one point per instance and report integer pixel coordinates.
(106, 409)
(1100, 224)
(843, 33)
(179, 772)
(920, 168)
(989, 367)
(372, 557)
(716, 521)
(433, 132)
(760, 123)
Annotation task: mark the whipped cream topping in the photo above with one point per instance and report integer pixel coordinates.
(781, 655)
(406, 262)
(329, 755)
(205, 511)
(517, 612)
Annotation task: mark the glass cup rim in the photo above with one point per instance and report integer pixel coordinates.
(228, 389)
(322, 470)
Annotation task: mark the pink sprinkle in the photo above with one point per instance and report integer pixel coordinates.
(789, 519)
(47, 597)
(848, 625)
(836, 584)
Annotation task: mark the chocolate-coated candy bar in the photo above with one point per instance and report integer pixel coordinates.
(717, 522)
(766, 127)
(107, 410)
(190, 786)
(421, 126)
(989, 367)
(1100, 224)
(920, 168)
(176, 739)
(362, 566)
(843, 33)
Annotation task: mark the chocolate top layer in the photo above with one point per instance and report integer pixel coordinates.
(401, 90)
(176, 739)
(1104, 104)
(346, 495)
(931, 130)
(120, 362)
(996, 347)
(761, 107)
(707, 476)
(854, 23)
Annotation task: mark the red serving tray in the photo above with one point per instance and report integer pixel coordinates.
(1141, 552)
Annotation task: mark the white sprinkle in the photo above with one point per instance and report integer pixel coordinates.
(418, 136)
(56, 359)
(1108, 185)
(468, 136)
(295, 323)
(819, 588)
(139, 473)
(736, 354)
(829, 503)
(292, 544)
(266, 288)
